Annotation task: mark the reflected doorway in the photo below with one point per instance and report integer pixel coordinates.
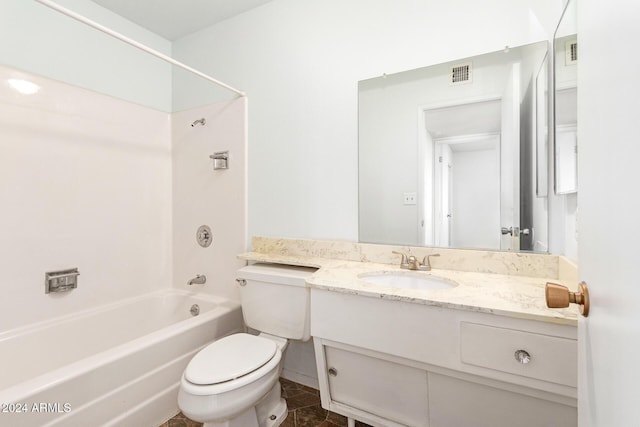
(467, 191)
(470, 168)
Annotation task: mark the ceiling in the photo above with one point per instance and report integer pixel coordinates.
(173, 19)
(466, 119)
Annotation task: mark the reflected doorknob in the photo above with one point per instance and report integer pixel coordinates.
(515, 231)
(505, 230)
(559, 296)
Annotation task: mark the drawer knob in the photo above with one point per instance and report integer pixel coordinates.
(559, 296)
(333, 372)
(522, 356)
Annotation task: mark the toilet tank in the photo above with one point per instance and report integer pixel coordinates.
(275, 299)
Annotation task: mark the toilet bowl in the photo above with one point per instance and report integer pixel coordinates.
(233, 382)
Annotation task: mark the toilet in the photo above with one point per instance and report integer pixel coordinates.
(233, 382)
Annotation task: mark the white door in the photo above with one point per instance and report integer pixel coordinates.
(509, 160)
(443, 195)
(609, 211)
(475, 183)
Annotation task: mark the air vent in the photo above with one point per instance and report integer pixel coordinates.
(571, 52)
(460, 73)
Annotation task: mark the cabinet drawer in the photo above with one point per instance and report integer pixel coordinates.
(552, 358)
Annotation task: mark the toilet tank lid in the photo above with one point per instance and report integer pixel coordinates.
(229, 358)
(276, 273)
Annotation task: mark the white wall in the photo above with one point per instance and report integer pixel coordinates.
(85, 182)
(300, 61)
(203, 196)
(42, 41)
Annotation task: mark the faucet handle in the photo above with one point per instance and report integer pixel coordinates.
(404, 263)
(426, 262)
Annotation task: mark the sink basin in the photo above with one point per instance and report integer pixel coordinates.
(408, 280)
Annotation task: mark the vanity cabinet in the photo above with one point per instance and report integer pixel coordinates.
(396, 363)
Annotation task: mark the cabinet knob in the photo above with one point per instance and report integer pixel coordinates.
(522, 356)
(333, 372)
(559, 296)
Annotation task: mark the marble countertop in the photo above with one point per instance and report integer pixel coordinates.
(518, 296)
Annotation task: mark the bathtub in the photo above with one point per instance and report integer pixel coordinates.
(116, 365)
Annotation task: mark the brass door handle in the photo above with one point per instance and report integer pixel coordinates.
(559, 296)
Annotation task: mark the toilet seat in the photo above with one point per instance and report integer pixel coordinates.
(230, 363)
(229, 358)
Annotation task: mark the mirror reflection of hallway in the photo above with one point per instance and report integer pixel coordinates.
(396, 150)
(466, 172)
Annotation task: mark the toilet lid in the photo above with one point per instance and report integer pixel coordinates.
(229, 358)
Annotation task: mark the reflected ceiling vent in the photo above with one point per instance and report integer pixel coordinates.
(571, 52)
(460, 73)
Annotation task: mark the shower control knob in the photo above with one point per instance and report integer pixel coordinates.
(204, 236)
(333, 372)
(522, 356)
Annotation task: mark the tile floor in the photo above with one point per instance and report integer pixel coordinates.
(304, 410)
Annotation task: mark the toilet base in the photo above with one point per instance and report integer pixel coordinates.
(247, 418)
(276, 415)
(271, 411)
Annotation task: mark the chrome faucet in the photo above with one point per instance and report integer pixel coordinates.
(412, 263)
(200, 279)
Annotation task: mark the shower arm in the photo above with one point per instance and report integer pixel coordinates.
(134, 43)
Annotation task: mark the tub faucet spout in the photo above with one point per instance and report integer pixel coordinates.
(200, 279)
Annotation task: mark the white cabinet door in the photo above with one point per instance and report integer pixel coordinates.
(391, 391)
(459, 403)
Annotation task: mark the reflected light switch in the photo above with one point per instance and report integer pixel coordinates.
(410, 198)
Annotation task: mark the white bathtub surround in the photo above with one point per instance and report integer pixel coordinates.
(88, 182)
(204, 196)
(111, 364)
(85, 181)
(502, 283)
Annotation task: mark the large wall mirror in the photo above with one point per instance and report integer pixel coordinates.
(565, 47)
(447, 154)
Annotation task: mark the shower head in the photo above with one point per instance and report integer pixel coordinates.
(201, 121)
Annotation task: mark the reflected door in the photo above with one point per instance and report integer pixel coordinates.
(443, 194)
(468, 212)
(466, 173)
(509, 162)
